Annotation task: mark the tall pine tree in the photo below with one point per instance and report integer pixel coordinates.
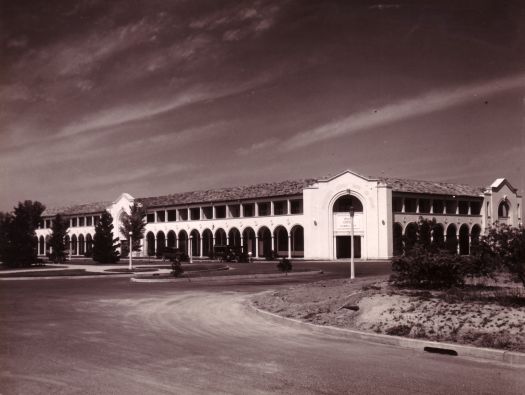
(134, 222)
(104, 245)
(19, 247)
(57, 240)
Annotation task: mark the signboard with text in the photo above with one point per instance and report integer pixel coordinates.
(343, 223)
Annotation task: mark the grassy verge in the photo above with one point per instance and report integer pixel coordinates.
(53, 273)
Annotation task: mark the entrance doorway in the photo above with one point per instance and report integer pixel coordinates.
(343, 247)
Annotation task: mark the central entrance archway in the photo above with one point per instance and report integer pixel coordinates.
(342, 226)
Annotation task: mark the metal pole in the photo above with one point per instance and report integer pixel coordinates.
(352, 269)
(130, 251)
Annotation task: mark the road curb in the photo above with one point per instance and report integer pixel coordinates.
(508, 357)
(66, 277)
(223, 278)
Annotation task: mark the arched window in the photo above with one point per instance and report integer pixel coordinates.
(248, 236)
(281, 240)
(234, 237)
(345, 202)
(503, 210)
(265, 242)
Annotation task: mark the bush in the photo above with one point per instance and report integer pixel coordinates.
(424, 269)
(176, 268)
(284, 265)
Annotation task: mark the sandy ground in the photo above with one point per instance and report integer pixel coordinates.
(377, 307)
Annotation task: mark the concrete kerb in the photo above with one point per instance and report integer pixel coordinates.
(508, 357)
(223, 278)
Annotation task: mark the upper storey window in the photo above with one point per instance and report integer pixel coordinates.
(503, 210)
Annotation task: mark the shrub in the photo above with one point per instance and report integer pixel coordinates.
(176, 268)
(424, 269)
(284, 265)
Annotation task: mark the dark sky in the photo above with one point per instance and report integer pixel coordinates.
(156, 97)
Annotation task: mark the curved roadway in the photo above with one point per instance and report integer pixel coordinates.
(112, 336)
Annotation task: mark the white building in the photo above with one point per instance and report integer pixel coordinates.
(304, 219)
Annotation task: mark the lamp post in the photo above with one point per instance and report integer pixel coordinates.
(352, 268)
(130, 251)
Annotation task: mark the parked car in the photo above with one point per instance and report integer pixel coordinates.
(229, 254)
(174, 254)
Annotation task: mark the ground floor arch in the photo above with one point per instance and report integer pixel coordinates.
(160, 244)
(183, 241)
(464, 240)
(207, 243)
(249, 241)
(280, 235)
(220, 237)
(89, 245)
(397, 239)
(195, 243)
(171, 239)
(452, 239)
(234, 238)
(265, 242)
(150, 243)
(297, 241)
(81, 245)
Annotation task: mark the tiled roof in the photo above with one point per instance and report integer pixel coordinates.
(267, 190)
(431, 187)
(270, 189)
(89, 208)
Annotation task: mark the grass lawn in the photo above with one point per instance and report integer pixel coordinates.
(481, 315)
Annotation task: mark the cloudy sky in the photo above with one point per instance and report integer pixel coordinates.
(153, 97)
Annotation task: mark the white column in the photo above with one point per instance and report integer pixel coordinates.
(431, 206)
(201, 246)
(289, 246)
(402, 204)
(256, 207)
(273, 242)
(417, 205)
(256, 246)
(288, 206)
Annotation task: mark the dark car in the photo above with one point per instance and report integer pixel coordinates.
(174, 254)
(229, 254)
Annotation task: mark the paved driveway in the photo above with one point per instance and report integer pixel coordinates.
(114, 336)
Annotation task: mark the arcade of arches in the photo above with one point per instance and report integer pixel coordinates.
(257, 244)
(456, 239)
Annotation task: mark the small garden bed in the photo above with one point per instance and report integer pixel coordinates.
(480, 315)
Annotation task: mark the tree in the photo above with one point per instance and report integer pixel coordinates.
(104, 245)
(57, 240)
(134, 222)
(505, 244)
(19, 243)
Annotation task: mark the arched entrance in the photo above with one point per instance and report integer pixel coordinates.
(281, 240)
(452, 239)
(183, 241)
(343, 223)
(297, 239)
(438, 237)
(265, 242)
(410, 238)
(150, 239)
(207, 243)
(89, 245)
(172, 239)
(234, 237)
(41, 249)
(220, 237)
(81, 249)
(161, 244)
(464, 240)
(397, 230)
(195, 243)
(474, 238)
(74, 245)
(248, 236)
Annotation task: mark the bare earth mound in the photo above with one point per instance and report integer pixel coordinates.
(485, 317)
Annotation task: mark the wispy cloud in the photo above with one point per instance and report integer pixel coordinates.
(404, 109)
(257, 146)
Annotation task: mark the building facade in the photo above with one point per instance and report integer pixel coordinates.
(303, 219)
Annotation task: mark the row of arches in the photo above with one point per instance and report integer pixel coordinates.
(455, 239)
(78, 245)
(259, 244)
